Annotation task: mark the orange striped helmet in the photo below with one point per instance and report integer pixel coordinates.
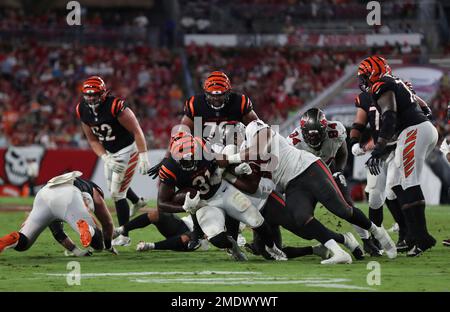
(217, 87)
(186, 150)
(94, 91)
(371, 70)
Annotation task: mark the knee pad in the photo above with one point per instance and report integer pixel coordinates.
(376, 198)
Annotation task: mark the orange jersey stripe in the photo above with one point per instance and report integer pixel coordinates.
(77, 109)
(191, 106)
(113, 107)
(242, 103)
(167, 171)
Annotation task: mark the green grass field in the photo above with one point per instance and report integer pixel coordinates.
(44, 266)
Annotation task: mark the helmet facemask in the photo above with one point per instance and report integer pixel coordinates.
(313, 138)
(217, 99)
(92, 99)
(188, 162)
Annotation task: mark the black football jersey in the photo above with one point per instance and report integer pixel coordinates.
(171, 173)
(87, 186)
(364, 100)
(237, 106)
(408, 111)
(104, 123)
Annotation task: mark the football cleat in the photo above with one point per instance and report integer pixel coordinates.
(9, 240)
(121, 241)
(235, 251)
(276, 253)
(402, 246)
(85, 234)
(386, 242)
(414, 252)
(117, 231)
(370, 248)
(352, 244)
(241, 241)
(141, 203)
(321, 251)
(143, 246)
(425, 243)
(446, 242)
(340, 257)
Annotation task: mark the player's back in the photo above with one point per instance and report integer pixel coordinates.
(408, 110)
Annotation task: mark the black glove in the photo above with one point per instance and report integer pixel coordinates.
(427, 111)
(374, 162)
(153, 172)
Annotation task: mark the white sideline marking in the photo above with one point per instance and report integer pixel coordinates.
(155, 273)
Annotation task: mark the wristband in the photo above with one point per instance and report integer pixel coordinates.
(234, 159)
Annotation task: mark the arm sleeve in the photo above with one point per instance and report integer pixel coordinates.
(167, 175)
(118, 106)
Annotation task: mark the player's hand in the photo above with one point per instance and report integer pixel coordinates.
(154, 171)
(357, 150)
(114, 164)
(191, 204)
(143, 164)
(243, 168)
(340, 178)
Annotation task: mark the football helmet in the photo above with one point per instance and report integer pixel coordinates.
(217, 89)
(371, 70)
(94, 91)
(313, 124)
(186, 150)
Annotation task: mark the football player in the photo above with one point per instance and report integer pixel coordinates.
(445, 149)
(401, 116)
(305, 180)
(114, 134)
(70, 199)
(191, 165)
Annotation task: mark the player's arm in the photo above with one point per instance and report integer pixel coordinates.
(249, 117)
(57, 229)
(104, 217)
(359, 124)
(245, 183)
(341, 157)
(129, 121)
(388, 106)
(166, 194)
(93, 141)
(424, 106)
(188, 122)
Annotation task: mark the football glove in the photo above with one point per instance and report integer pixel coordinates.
(243, 168)
(143, 164)
(374, 162)
(340, 178)
(357, 150)
(191, 204)
(154, 171)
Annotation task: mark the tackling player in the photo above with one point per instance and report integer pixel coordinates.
(401, 116)
(70, 199)
(114, 134)
(305, 180)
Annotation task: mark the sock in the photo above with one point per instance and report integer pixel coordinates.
(364, 234)
(123, 211)
(131, 195)
(359, 218)
(21, 244)
(295, 252)
(316, 230)
(221, 241)
(172, 243)
(410, 220)
(397, 214)
(137, 223)
(376, 215)
(265, 233)
(277, 236)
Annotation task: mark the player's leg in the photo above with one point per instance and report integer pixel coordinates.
(136, 202)
(327, 192)
(414, 145)
(212, 222)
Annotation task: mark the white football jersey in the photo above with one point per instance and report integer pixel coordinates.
(336, 135)
(286, 162)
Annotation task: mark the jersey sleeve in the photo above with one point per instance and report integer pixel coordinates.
(189, 107)
(252, 129)
(167, 173)
(358, 101)
(246, 105)
(383, 86)
(77, 111)
(342, 133)
(295, 137)
(118, 106)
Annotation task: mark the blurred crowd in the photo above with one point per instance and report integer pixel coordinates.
(40, 86)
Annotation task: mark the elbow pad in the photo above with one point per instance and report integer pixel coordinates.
(389, 124)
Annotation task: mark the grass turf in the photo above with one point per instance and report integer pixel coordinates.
(44, 266)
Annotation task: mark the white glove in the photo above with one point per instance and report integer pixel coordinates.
(114, 164)
(191, 204)
(445, 148)
(357, 150)
(78, 252)
(143, 164)
(243, 168)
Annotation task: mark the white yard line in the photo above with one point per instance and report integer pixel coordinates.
(84, 275)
